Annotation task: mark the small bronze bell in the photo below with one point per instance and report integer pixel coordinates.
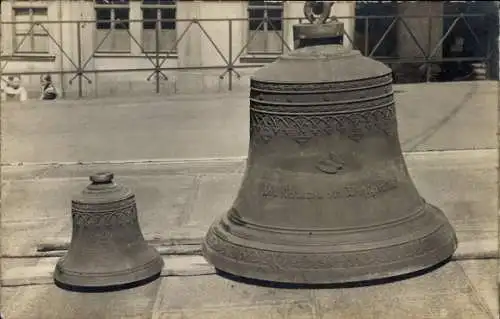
(326, 197)
(107, 249)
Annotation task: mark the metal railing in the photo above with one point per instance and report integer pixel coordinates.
(485, 48)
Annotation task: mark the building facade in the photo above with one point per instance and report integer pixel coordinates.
(112, 47)
(206, 34)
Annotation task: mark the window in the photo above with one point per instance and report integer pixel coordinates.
(167, 34)
(382, 15)
(265, 34)
(111, 16)
(30, 38)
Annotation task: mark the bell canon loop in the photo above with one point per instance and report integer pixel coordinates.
(326, 197)
(319, 31)
(107, 249)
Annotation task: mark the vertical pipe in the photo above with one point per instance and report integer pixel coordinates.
(230, 80)
(32, 34)
(488, 59)
(79, 52)
(497, 55)
(61, 56)
(367, 35)
(157, 52)
(427, 53)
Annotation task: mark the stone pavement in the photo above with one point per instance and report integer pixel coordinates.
(177, 201)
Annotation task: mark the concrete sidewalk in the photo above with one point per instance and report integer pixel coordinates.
(179, 200)
(435, 116)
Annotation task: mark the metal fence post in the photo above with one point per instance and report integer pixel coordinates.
(367, 35)
(428, 67)
(230, 66)
(79, 52)
(488, 58)
(157, 54)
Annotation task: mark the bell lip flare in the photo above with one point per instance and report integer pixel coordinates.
(95, 282)
(263, 261)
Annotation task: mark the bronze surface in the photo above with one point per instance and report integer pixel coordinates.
(107, 248)
(326, 197)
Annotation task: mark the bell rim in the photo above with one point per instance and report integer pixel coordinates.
(337, 276)
(108, 279)
(331, 266)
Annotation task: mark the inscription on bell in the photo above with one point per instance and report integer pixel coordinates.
(366, 190)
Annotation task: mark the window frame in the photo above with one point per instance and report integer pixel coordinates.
(266, 6)
(158, 7)
(32, 34)
(112, 7)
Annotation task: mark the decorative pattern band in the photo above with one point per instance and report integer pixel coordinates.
(104, 206)
(315, 87)
(332, 100)
(347, 106)
(278, 261)
(120, 217)
(301, 128)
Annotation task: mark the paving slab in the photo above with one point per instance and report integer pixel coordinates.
(50, 302)
(447, 116)
(465, 191)
(483, 276)
(447, 292)
(284, 310)
(21, 237)
(215, 195)
(182, 298)
(436, 116)
(444, 293)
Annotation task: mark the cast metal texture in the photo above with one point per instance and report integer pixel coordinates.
(318, 12)
(318, 31)
(326, 197)
(107, 247)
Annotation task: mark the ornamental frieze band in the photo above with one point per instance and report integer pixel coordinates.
(327, 98)
(120, 217)
(301, 128)
(316, 87)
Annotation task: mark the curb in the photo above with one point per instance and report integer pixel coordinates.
(460, 154)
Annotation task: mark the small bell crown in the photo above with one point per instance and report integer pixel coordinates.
(107, 249)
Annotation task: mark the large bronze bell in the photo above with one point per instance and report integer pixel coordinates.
(326, 197)
(107, 249)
